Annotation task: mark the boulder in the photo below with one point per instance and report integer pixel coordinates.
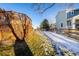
(19, 23)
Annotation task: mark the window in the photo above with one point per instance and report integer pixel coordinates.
(69, 23)
(72, 13)
(61, 24)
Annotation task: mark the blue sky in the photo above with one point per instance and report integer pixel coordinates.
(36, 18)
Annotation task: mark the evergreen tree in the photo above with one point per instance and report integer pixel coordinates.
(45, 25)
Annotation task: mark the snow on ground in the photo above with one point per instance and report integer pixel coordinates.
(63, 41)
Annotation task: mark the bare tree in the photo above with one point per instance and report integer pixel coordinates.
(43, 7)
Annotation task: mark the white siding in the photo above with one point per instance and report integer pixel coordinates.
(61, 18)
(73, 21)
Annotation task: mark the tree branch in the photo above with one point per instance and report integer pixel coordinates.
(41, 8)
(48, 8)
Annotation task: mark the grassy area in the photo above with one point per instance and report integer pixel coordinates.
(67, 52)
(39, 45)
(6, 51)
(6, 48)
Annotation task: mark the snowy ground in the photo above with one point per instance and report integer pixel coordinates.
(61, 41)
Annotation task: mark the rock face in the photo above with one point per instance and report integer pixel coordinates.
(14, 24)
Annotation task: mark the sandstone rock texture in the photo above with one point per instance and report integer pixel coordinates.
(12, 23)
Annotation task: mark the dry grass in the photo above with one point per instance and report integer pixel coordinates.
(6, 44)
(6, 51)
(39, 45)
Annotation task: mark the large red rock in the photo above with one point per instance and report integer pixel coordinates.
(18, 21)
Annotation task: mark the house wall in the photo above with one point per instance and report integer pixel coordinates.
(64, 17)
(74, 21)
(70, 26)
(61, 18)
